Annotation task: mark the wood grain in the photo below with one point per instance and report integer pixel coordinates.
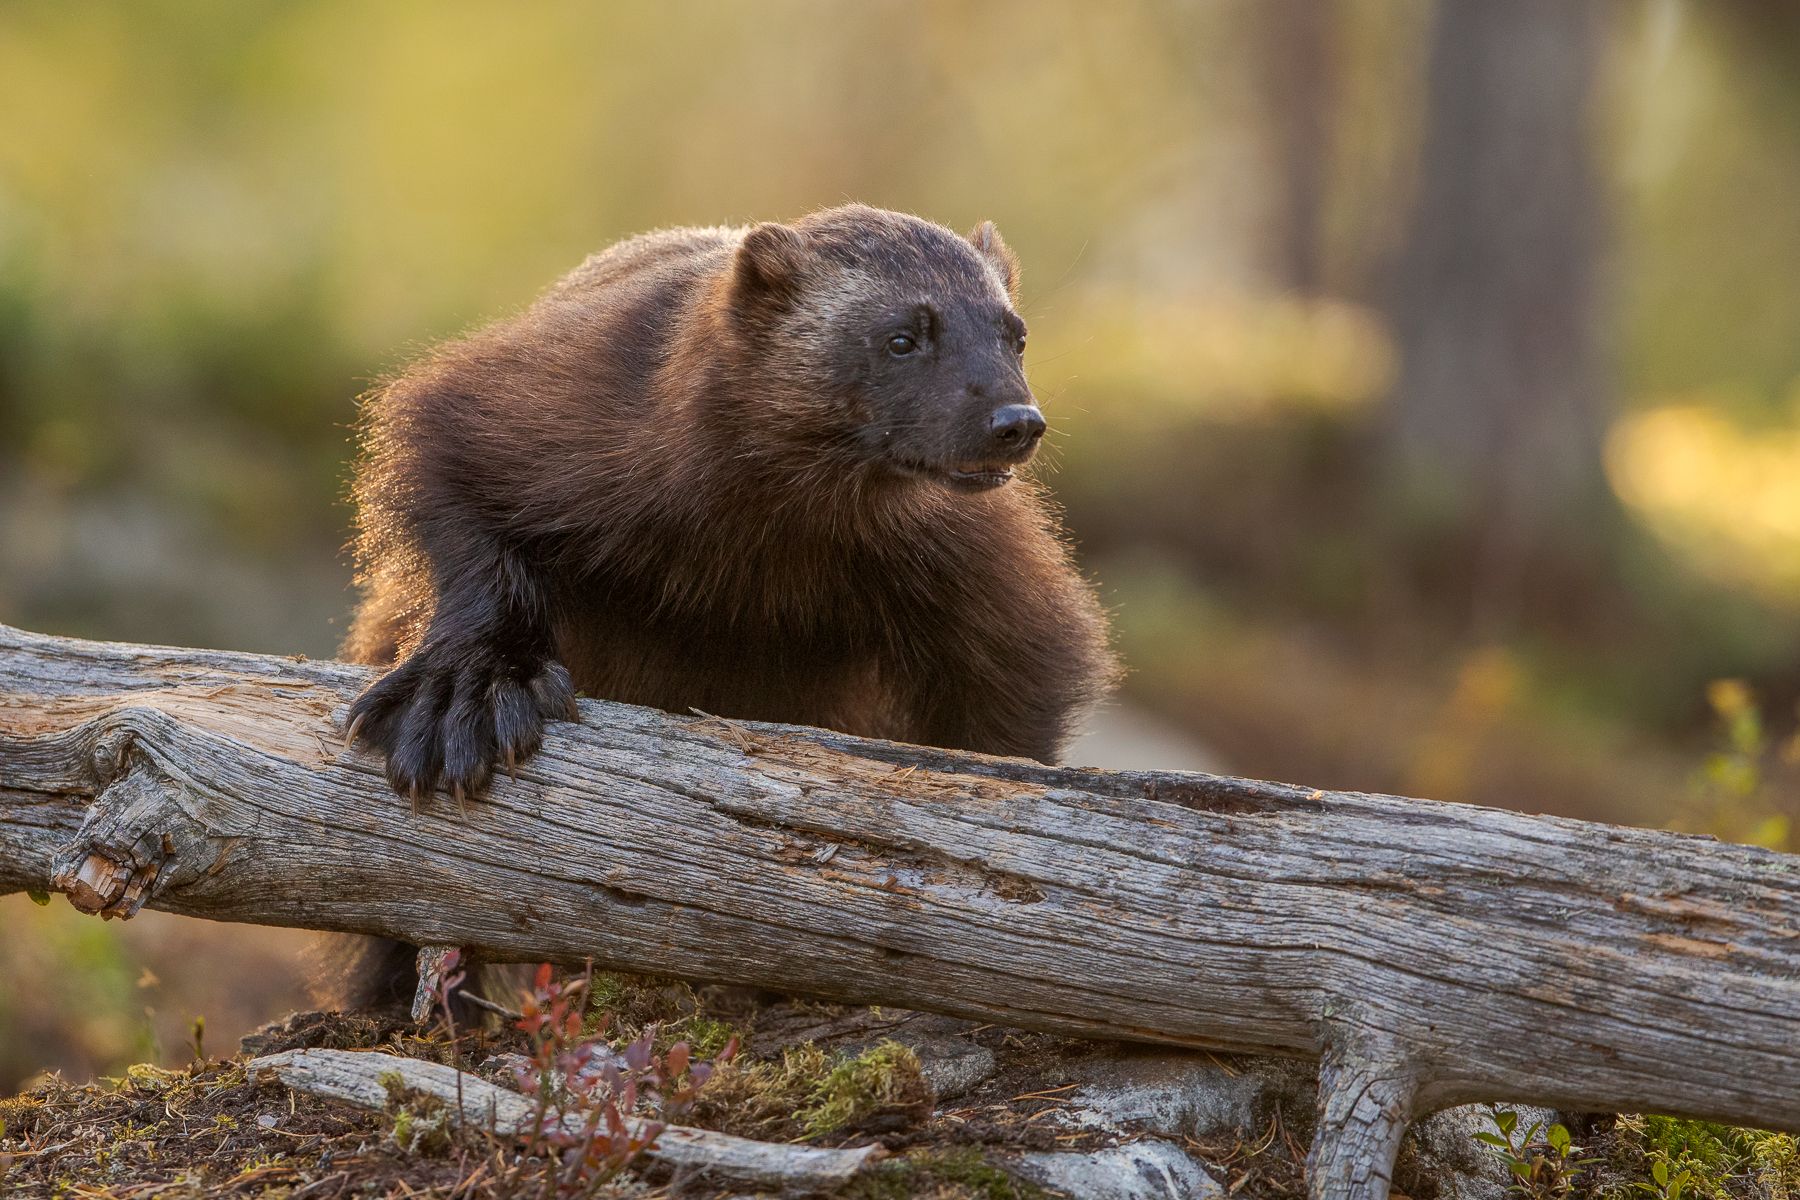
(1433, 953)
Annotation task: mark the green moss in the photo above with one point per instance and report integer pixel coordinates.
(422, 1123)
(759, 1099)
(608, 992)
(884, 1078)
(623, 1006)
(394, 1084)
(811, 1093)
(1721, 1162)
(963, 1172)
(706, 1035)
(627, 1003)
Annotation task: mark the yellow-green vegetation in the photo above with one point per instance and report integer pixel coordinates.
(963, 1173)
(421, 1123)
(625, 1005)
(706, 1035)
(1734, 798)
(812, 1093)
(882, 1079)
(1654, 1157)
(82, 1003)
(1674, 1159)
(146, 1077)
(1544, 1161)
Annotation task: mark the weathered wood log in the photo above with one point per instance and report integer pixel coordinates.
(360, 1078)
(1430, 954)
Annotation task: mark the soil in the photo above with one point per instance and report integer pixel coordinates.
(209, 1130)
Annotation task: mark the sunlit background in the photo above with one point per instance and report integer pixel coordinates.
(1424, 379)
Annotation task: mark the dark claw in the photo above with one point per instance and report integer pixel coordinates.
(554, 692)
(448, 714)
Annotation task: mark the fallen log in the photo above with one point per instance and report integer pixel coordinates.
(1428, 954)
(361, 1078)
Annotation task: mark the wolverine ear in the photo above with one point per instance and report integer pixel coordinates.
(986, 239)
(770, 263)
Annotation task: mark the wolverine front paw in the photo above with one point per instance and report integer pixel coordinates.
(448, 715)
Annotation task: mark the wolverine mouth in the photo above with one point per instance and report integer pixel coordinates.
(963, 477)
(978, 478)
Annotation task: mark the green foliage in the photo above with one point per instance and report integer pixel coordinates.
(1541, 1160)
(707, 1035)
(1732, 793)
(82, 1008)
(1669, 1158)
(1654, 1157)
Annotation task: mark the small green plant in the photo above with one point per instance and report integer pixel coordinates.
(1664, 1184)
(1542, 1167)
(422, 1123)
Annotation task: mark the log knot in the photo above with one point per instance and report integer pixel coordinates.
(138, 838)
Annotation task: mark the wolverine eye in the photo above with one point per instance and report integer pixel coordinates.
(1019, 346)
(901, 344)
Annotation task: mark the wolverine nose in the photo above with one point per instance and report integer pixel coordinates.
(1016, 426)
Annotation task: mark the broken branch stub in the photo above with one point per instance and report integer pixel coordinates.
(1464, 954)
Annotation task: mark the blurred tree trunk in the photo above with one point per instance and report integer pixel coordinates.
(1494, 443)
(1299, 85)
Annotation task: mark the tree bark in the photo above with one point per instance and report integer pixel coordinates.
(1433, 954)
(1497, 422)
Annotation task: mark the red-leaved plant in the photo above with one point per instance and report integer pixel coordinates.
(598, 1109)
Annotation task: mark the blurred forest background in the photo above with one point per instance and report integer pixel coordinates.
(1424, 378)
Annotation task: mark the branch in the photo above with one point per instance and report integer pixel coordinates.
(359, 1077)
(1434, 954)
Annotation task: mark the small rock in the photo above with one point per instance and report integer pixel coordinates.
(1185, 1095)
(954, 1068)
(1147, 1170)
(950, 1062)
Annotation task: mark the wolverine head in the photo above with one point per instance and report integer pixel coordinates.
(902, 336)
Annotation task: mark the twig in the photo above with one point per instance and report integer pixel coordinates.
(355, 1076)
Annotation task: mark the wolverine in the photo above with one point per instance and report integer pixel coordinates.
(771, 473)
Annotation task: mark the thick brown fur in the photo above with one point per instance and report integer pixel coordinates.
(700, 472)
